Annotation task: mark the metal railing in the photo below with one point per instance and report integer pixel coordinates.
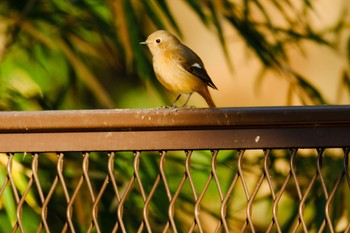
(279, 169)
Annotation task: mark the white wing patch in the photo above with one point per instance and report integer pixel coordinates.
(197, 65)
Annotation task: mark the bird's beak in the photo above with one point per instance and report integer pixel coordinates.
(144, 42)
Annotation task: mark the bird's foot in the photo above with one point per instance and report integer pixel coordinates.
(171, 107)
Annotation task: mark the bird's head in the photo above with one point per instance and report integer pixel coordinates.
(160, 41)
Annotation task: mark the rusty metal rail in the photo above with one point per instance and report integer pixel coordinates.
(279, 169)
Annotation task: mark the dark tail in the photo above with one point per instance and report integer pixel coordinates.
(206, 95)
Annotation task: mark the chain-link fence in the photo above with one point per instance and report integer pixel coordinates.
(176, 170)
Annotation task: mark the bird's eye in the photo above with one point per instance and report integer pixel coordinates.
(157, 41)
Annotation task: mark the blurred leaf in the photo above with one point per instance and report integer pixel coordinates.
(85, 74)
(151, 11)
(216, 19)
(199, 10)
(257, 42)
(7, 201)
(308, 90)
(164, 6)
(21, 82)
(346, 81)
(344, 85)
(143, 67)
(348, 50)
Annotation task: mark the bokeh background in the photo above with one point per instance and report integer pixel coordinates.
(85, 54)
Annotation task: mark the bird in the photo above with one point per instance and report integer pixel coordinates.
(178, 68)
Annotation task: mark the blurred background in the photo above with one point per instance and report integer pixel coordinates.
(85, 54)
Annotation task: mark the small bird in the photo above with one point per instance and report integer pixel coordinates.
(178, 68)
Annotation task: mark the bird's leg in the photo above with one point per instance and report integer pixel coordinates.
(177, 98)
(188, 98)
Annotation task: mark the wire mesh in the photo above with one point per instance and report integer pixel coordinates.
(178, 191)
(245, 187)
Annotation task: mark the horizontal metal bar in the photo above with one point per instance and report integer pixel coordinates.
(175, 129)
(175, 140)
(169, 118)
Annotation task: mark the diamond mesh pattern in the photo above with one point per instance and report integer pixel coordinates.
(180, 191)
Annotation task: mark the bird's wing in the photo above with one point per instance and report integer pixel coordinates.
(194, 65)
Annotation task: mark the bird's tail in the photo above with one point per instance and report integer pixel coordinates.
(206, 95)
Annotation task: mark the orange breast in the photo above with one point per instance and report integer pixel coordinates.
(174, 77)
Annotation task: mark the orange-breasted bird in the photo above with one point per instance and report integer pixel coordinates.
(178, 68)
